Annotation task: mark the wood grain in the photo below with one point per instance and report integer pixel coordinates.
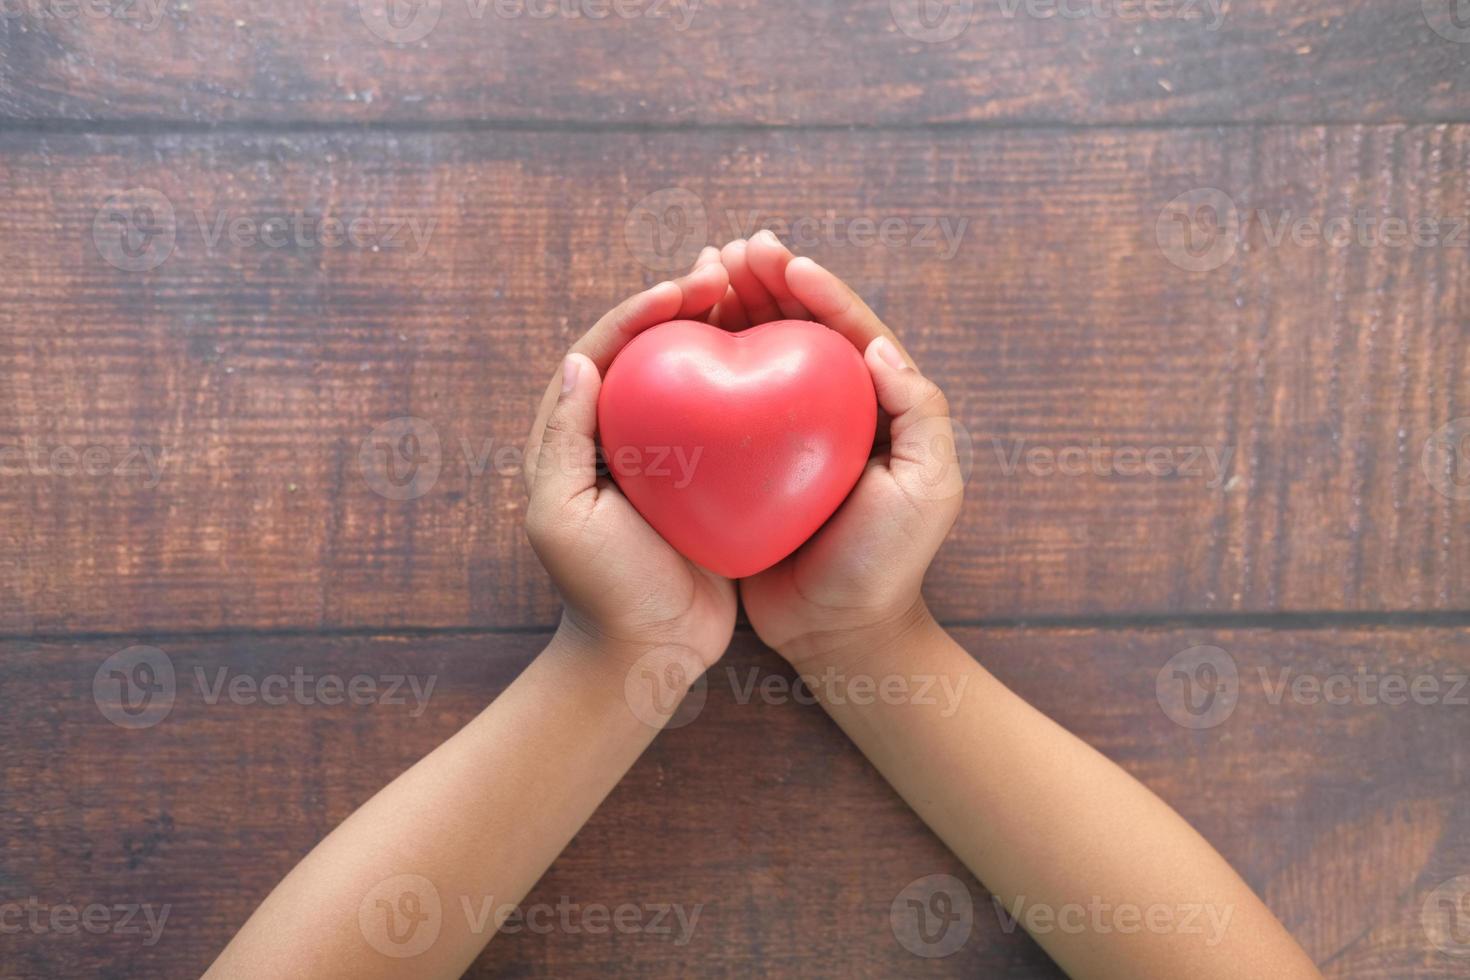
(740, 62)
(1289, 393)
(1345, 816)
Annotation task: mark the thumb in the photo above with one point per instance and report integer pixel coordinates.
(565, 462)
(922, 456)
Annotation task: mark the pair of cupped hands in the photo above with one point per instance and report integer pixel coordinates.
(852, 586)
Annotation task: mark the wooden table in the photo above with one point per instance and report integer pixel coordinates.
(280, 283)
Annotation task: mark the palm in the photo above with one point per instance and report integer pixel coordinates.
(646, 587)
(832, 581)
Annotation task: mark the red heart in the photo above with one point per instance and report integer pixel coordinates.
(736, 447)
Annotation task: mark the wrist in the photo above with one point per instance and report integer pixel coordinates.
(616, 659)
(845, 648)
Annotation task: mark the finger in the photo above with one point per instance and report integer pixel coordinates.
(694, 293)
(760, 306)
(707, 255)
(922, 445)
(722, 313)
(691, 294)
(729, 314)
(768, 259)
(833, 303)
(565, 463)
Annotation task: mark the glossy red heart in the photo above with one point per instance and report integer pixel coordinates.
(736, 447)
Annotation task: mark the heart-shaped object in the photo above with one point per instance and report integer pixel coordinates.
(736, 447)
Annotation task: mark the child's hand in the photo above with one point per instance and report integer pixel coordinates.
(857, 582)
(624, 587)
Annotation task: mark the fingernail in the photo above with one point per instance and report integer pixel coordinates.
(570, 368)
(888, 353)
(766, 234)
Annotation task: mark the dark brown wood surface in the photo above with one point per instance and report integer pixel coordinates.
(1289, 392)
(1345, 817)
(202, 405)
(692, 62)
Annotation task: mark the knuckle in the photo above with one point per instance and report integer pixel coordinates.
(557, 423)
(931, 398)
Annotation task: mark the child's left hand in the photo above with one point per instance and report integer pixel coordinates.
(856, 584)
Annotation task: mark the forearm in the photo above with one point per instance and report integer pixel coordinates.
(1109, 879)
(476, 822)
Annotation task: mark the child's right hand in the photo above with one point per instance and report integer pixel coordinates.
(626, 590)
(856, 583)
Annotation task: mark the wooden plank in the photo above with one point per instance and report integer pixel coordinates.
(660, 62)
(239, 398)
(1346, 815)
